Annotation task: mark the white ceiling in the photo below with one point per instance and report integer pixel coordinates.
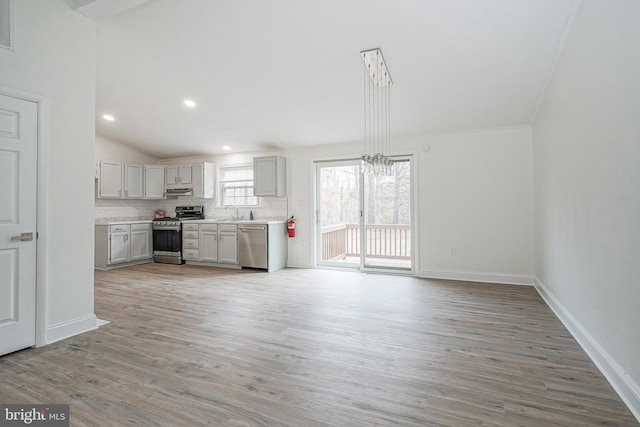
(283, 73)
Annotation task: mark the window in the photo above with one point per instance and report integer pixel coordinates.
(236, 186)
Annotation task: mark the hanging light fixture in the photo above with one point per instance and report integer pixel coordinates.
(377, 115)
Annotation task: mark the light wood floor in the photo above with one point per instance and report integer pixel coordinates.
(191, 346)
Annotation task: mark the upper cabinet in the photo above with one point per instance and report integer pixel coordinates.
(110, 180)
(269, 176)
(153, 181)
(133, 181)
(128, 181)
(203, 175)
(179, 176)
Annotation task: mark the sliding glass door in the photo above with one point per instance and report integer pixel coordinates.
(338, 213)
(387, 219)
(364, 221)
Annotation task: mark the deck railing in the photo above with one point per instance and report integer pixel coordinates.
(381, 241)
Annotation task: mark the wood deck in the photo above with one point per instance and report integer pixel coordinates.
(191, 346)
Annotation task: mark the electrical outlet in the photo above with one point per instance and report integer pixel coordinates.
(453, 251)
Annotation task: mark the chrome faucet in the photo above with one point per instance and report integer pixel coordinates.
(233, 217)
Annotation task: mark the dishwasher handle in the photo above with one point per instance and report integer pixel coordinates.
(251, 228)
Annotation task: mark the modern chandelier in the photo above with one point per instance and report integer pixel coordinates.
(377, 115)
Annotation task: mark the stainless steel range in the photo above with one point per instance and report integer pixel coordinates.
(167, 234)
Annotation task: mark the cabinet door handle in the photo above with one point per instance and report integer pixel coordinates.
(119, 193)
(126, 193)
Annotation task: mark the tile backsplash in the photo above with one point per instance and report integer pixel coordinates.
(118, 209)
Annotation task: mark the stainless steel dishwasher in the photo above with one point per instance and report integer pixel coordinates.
(252, 245)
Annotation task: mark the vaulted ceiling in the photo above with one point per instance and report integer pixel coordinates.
(282, 73)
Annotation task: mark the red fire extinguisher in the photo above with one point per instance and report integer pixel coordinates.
(291, 227)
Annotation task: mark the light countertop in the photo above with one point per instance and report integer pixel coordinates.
(121, 221)
(137, 220)
(240, 221)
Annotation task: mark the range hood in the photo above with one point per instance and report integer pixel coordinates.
(179, 192)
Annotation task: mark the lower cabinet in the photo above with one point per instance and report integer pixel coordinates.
(209, 242)
(119, 245)
(140, 242)
(190, 242)
(214, 244)
(228, 243)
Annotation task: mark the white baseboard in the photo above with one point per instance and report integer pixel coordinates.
(508, 279)
(70, 328)
(298, 266)
(624, 385)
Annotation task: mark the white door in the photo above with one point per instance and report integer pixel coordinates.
(18, 180)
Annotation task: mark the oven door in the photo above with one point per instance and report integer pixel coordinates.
(167, 245)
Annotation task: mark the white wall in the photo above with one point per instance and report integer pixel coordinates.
(587, 189)
(108, 149)
(55, 58)
(474, 192)
(476, 196)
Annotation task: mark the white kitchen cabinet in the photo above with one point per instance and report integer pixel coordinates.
(269, 176)
(172, 174)
(140, 242)
(110, 180)
(228, 243)
(203, 180)
(217, 244)
(119, 245)
(209, 242)
(190, 242)
(154, 184)
(133, 181)
(130, 181)
(179, 175)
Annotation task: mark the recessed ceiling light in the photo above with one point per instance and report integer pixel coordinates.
(226, 148)
(189, 103)
(108, 117)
